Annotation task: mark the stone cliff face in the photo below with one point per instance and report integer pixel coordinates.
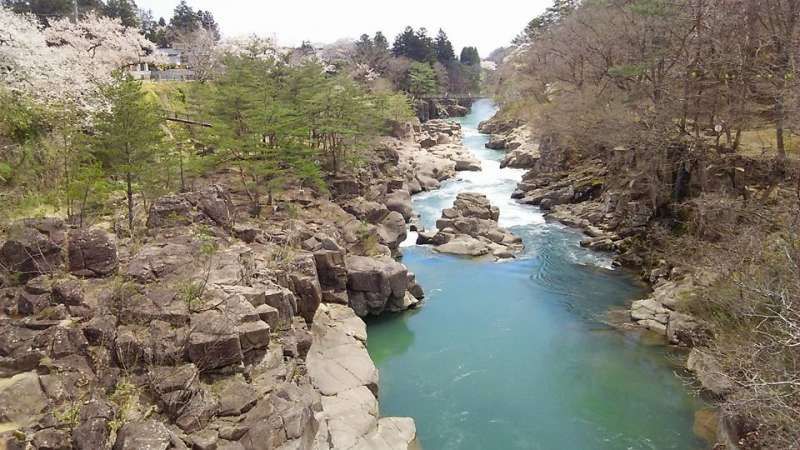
(197, 336)
(214, 329)
(443, 108)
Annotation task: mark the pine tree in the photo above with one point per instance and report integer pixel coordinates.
(443, 48)
(208, 22)
(124, 10)
(184, 18)
(469, 56)
(380, 42)
(421, 80)
(373, 52)
(129, 134)
(416, 45)
(258, 127)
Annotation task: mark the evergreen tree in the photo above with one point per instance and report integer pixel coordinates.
(275, 123)
(364, 47)
(469, 56)
(257, 131)
(184, 18)
(380, 52)
(124, 10)
(47, 10)
(128, 134)
(421, 80)
(443, 48)
(416, 45)
(373, 52)
(208, 22)
(380, 42)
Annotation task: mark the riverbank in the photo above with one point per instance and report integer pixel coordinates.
(685, 254)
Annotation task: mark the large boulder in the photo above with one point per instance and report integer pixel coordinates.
(332, 273)
(17, 352)
(92, 253)
(93, 431)
(470, 228)
(709, 372)
(22, 399)
(305, 285)
(158, 260)
(148, 435)
(375, 284)
(474, 205)
(211, 205)
(341, 370)
(283, 419)
(464, 160)
(283, 300)
(392, 230)
(338, 360)
(400, 201)
(650, 314)
(464, 245)
(33, 247)
(497, 142)
(331, 269)
(51, 439)
(523, 157)
(686, 330)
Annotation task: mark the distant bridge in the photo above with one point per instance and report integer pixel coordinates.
(451, 97)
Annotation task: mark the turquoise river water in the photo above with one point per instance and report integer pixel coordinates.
(514, 355)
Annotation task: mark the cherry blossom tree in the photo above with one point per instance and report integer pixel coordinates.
(67, 61)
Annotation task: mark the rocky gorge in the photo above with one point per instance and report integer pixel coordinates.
(538, 315)
(214, 329)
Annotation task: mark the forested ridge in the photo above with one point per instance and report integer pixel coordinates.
(277, 114)
(688, 110)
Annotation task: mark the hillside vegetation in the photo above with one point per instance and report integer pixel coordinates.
(685, 113)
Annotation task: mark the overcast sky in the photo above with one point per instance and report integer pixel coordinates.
(487, 25)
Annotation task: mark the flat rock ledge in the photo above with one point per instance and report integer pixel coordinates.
(517, 139)
(661, 313)
(342, 371)
(430, 153)
(470, 228)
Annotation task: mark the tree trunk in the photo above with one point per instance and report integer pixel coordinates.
(780, 121)
(83, 205)
(129, 182)
(180, 164)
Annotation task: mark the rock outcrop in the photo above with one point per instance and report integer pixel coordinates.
(33, 247)
(709, 373)
(92, 253)
(470, 228)
(440, 108)
(341, 370)
(659, 312)
(215, 332)
(210, 206)
(376, 285)
(430, 153)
